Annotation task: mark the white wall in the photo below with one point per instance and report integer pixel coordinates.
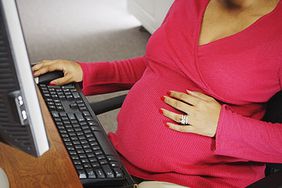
(149, 12)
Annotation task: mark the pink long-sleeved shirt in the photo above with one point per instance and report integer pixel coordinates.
(242, 71)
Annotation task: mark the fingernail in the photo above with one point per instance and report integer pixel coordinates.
(169, 93)
(161, 111)
(167, 125)
(162, 98)
(188, 91)
(51, 84)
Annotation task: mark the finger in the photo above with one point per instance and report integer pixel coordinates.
(47, 68)
(181, 128)
(41, 64)
(36, 67)
(185, 97)
(171, 115)
(62, 81)
(179, 105)
(200, 95)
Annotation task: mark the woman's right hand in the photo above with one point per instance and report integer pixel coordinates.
(71, 69)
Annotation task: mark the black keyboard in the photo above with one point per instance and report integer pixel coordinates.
(94, 158)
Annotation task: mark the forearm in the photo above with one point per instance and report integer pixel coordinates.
(103, 77)
(249, 139)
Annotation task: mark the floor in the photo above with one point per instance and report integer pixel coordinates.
(86, 30)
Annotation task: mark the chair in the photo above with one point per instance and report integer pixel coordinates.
(273, 114)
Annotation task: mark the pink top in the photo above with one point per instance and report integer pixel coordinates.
(241, 71)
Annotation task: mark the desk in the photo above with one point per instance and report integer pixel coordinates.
(53, 169)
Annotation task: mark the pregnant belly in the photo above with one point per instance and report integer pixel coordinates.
(143, 139)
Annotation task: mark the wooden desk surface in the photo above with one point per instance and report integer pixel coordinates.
(53, 169)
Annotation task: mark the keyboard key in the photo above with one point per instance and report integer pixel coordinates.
(70, 148)
(100, 157)
(86, 166)
(96, 147)
(60, 108)
(95, 164)
(78, 147)
(75, 157)
(111, 158)
(80, 102)
(83, 142)
(108, 171)
(71, 116)
(69, 97)
(73, 106)
(65, 119)
(72, 152)
(82, 156)
(92, 160)
(103, 162)
(55, 114)
(76, 143)
(86, 147)
(86, 113)
(90, 155)
(82, 174)
(82, 108)
(100, 173)
(76, 95)
(90, 174)
(68, 87)
(77, 162)
(88, 118)
(79, 167)
(118, 172)
(88, 151)
(79, 117)
(92, 123)
(68, 143)
(99, 152)
(66, 139)
(114, 164)
(84, 160)
(63, 114)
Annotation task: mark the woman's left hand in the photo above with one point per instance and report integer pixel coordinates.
(202, 112)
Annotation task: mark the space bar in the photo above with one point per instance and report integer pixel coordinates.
(104, 143)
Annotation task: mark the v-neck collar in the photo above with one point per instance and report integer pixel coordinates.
(248, 28)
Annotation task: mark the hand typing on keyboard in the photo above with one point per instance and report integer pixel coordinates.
(71, 69)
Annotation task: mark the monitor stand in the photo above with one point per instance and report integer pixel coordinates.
(4, 183)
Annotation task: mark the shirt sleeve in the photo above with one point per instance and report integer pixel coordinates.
(104, 77)
(280, 75)
(247, 138)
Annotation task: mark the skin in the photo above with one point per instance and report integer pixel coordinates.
(71, 69)
(222, 18)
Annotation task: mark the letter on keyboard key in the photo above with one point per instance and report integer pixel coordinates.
(118, 172)
(90, 174)
(76, 95)
(79, 117)
(108, 171)
(55, 114)
(71, 116)
(100, 173)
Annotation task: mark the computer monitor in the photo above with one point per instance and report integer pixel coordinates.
(21, 122)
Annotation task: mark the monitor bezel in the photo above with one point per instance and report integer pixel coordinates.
(25, 78)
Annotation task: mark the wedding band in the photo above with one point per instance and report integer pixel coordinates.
(184, 120)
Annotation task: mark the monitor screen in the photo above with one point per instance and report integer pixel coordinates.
(21, 122)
